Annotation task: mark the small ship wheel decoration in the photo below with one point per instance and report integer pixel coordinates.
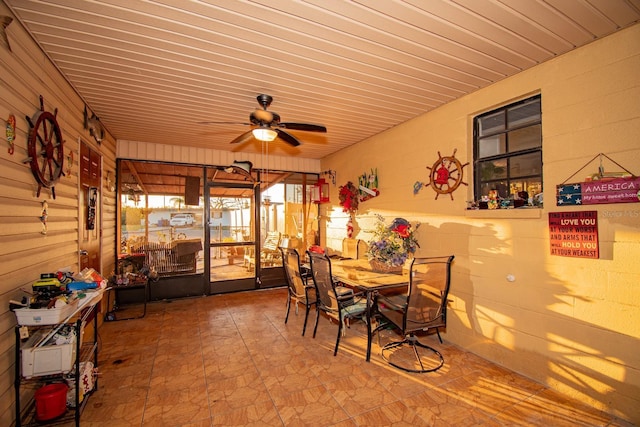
(45, 148)
(446, 175)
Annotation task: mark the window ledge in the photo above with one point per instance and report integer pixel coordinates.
(520, 213)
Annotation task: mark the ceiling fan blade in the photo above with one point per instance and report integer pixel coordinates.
(224, 123)
(303, 126)
(245, 137)
(288, 138)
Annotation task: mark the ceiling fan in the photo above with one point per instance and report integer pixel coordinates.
(269, 127)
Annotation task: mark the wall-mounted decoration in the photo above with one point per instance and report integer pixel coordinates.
(574, 234)
(43, 216)
(332, 175)
(349, 197)
(600, 188)
(320, 192)
(349, 228)
(94, 125)
(69, 164)
(445, 176)
(368, 185)
(11, 132)
(92, 197)
(46, 148)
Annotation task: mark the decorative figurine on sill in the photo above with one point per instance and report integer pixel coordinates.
(493, 199)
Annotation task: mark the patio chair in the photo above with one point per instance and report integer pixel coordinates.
(424, 307)
(362, 249)
(269, 252)
(337, 302)
(300, 291)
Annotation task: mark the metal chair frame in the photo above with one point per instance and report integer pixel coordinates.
(336, 304)
(424, 307)
(300, 291)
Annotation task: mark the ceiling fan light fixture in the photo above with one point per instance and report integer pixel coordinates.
(264, 134)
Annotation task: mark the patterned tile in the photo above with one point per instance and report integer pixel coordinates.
(313, 406)
(229, 360)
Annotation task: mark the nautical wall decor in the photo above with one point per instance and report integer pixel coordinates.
(445, 176)
(46, 148)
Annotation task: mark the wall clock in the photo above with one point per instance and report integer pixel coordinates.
(46, 148)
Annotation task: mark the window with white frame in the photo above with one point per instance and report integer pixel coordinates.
(508, 153)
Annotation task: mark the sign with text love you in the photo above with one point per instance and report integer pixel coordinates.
(574, 234)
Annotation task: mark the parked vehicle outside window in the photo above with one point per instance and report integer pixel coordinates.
(181, 220)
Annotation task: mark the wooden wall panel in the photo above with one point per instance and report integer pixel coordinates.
(25, 74)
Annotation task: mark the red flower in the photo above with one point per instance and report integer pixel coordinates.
(402, 230)
(348, 197)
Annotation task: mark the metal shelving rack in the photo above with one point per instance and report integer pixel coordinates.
(85, 351)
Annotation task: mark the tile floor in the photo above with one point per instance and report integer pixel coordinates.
(229, 360)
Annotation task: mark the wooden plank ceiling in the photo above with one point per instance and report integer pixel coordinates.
(154, 70)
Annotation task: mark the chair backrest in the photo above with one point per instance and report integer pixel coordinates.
(291, 265)
(362, 249)
(429, 283)
(350, 248)
(271, 242)
(321, 274)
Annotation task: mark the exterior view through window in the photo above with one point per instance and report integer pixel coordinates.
(225, 234)
(508, 156)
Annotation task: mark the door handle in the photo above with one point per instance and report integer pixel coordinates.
(83, 252)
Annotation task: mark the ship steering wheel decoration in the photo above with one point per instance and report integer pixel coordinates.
(445, 176)
(46, 149)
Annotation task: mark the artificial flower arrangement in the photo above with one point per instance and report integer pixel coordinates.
(392, 244)
(348, 197)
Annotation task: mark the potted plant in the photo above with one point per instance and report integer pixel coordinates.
(392, 244)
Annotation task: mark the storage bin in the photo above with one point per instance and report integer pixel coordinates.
(45, 316)
(47, 359)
